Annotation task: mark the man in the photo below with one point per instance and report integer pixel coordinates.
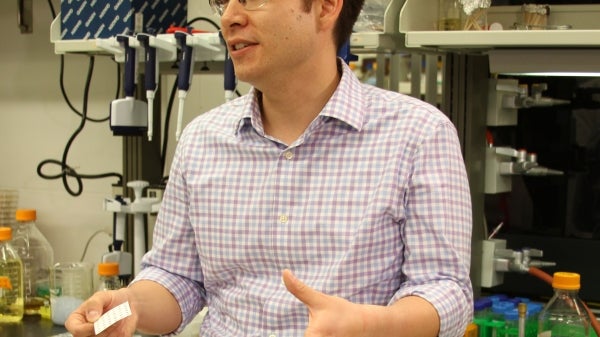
(313, 206)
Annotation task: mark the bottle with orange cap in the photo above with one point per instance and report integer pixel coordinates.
(37, 256)
(11, 280)
(565, 314)
(109, 276)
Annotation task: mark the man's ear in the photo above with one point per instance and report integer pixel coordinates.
(329, 12)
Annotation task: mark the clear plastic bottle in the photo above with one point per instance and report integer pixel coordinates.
(37, 256)
(11, 280)
(109, 276)
(565, 314)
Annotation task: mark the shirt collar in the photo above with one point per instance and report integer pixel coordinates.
(345, 105)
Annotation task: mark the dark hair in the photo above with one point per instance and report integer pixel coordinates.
(346, 20)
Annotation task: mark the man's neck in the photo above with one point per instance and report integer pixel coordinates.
(287, 110)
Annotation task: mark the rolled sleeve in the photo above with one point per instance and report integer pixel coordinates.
(189, 294)
(437, 231)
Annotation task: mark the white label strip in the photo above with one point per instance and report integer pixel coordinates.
(112, 316)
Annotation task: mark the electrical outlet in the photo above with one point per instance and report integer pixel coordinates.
(491, 277)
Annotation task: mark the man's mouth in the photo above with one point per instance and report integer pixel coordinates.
(239, 46)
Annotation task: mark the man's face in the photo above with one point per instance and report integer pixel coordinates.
(269, 43)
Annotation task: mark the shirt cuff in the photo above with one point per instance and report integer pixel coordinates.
(453, 304)
(187, 293)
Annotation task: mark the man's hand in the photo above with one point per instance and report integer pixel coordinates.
(328, 315)
(81, 321)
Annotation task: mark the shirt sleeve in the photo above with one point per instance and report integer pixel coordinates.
(173, 260)
(438, 230)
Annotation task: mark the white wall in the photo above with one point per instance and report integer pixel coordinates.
(36, 123)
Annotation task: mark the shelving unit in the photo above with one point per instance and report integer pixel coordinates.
(207, 49)
(417, 23)
(410, 28)
(474, 40)
(513, 51)
(471, 54)
(389, 40)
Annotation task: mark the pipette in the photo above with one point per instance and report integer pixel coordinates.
(138, 207)
(151, 78)
(123, 258)
(230, 82)
(186, 68)
(229, 78)
(129, 80)
(128, 116)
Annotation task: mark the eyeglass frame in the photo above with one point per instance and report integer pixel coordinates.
(219, 6)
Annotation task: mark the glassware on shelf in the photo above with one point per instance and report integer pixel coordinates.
(476, 14)
(535, 16)
(450, 15)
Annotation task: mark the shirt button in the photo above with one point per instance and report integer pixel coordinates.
(283, 218)
(288, 155)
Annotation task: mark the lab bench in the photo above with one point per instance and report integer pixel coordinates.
(34, 327)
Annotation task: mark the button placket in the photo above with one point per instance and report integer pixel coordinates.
(289, 155)
(283, 218)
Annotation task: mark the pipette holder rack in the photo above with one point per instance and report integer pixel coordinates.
(504, 162)
(497, 260)
(208, 46)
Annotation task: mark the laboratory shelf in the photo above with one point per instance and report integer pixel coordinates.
(389, 40)
(376, 42)
(504, 39)
(418, 25)
(573, 48)
(207, 46)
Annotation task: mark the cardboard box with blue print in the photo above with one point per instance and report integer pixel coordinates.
(91, 19)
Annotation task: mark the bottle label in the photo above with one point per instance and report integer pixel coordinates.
(5, 283)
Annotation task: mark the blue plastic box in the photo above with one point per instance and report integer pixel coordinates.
(90, 19)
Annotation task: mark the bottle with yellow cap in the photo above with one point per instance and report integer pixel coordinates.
(109, 276)
(565, 314)
(37, 256)
(11, 280)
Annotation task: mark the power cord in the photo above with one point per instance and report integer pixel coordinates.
(87, 244)
(68, 101)
(172, 98)
(66, 170)
(52, 11)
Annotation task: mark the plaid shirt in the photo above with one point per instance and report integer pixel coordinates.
(370, 204)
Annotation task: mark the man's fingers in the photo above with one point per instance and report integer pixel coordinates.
(300, 290)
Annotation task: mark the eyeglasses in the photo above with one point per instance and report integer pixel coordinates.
(219, 6)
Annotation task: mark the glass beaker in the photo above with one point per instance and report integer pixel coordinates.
(71, 283)
(450, 15)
